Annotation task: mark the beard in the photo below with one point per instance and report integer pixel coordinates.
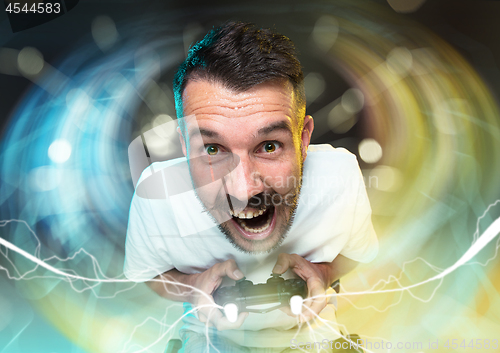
(281, 206)
(285, 214)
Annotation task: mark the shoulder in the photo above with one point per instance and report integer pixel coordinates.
(173, 164)
(326, 151)
(161, 178)
(330, 172)
(326, 159)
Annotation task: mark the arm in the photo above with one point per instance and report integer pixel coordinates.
(163, 286)
(197, 289)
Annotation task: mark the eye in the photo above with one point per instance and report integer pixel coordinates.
(212, 150)
(270, 147)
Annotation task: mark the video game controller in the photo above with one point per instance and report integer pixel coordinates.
(244, 294)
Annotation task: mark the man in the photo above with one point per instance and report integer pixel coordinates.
(264, 199)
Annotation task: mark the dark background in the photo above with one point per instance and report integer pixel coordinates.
(472, 27)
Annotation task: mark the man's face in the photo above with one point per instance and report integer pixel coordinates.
(246, 152)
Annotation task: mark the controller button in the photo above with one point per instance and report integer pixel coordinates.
(296, 304)
(231, 312)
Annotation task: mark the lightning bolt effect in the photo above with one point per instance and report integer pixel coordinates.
(480, 243)
(66, 213)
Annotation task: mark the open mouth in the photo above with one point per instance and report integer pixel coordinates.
(254, 223)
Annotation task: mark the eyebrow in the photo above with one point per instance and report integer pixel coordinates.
(278, 126)
(204, 132)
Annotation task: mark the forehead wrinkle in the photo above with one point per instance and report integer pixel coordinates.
(237, 111)
(230, 100)
(211, 102)
(219, 99)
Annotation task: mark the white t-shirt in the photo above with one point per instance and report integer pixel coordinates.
(170, 229)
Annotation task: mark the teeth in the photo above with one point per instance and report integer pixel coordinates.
(258, 230)
(248, 214)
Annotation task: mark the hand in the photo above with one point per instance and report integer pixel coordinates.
(316, 276)
(208, 282)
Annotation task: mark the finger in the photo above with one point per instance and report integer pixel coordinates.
(207, 309)
(316, 300)
(306, 314)
(287, 311)
(206, 303)
(315, 287)
(316, 306)
(211, 315)
(308, 302)
(230, 269)
(284, 262)
(203, 318)
(225, 324)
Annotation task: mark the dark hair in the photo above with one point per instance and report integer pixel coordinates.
(241, 56)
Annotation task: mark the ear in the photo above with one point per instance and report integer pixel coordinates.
(183, 142)
(307, 130)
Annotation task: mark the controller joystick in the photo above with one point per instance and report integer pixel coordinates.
(245, 296)
(275, 278)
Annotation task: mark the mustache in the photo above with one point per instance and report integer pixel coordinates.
(225, 202)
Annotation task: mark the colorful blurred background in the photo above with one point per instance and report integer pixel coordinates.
(409, 86)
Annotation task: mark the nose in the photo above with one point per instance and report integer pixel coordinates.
(243, 182)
